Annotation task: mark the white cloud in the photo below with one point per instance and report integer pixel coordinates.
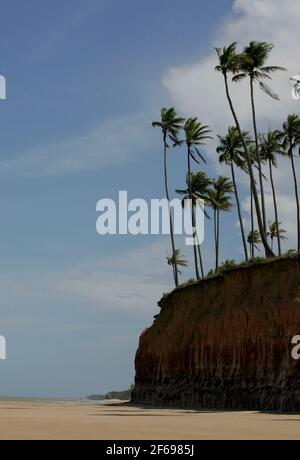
(115, 283)
(198, 89)
(113, 142)
(132, 281)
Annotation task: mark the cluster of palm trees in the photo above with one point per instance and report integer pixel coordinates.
(238, 150)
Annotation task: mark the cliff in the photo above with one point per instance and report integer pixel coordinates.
(225, 342)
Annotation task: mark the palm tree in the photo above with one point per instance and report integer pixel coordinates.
(170, 125)
(251, 149)
(220, 201)
(252, 221)
(231, 153)
(276, 232)
(253, 65)
(291, 138)
(229, 62)
(195, 135)
(254, 240)
(176, 260)
(270, 145)
(253, 155)
(197, 189)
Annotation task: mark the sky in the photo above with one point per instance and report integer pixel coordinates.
(84, 82)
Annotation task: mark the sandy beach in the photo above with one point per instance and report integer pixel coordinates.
(45, 420)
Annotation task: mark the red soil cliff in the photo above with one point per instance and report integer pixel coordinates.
(225, 342)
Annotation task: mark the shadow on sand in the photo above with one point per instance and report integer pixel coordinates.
(143, 411)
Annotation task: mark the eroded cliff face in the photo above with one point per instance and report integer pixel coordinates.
(226, 342)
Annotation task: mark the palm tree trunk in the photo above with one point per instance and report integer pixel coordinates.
(201, 261)
(200, 256)
(215, 236)
(275, 209)
(262, 194)
(193, 216)
(173, 270)
(218, 240)
(239, 210)
(170, 215)
(269, 252)
(195, 244)
(252, 222)
(296, 194)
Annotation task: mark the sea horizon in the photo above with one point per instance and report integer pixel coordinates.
(49, 399)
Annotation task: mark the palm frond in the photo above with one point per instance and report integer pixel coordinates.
(272, 68)
(268, 91)
(239, 77)
(194, 158)
(200, 155)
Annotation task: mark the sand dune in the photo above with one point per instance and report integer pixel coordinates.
(40, 420)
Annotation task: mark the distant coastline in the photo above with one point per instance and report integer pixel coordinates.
(110, 396)
(123, 395)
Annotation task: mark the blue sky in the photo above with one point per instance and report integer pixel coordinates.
(84, 81)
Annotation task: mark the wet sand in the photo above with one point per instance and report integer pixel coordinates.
(46, 420)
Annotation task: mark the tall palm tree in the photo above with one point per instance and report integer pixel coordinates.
(195, 135)
(197, 189)
(220, 201)
(252, 222)
(291, 138)
(254, 240)
(253, 156)
(229, 62)
(270, 145)
(251, 149)
(170, 125)
(276, 232)
(176, 260)
(253, 65)
(231, 153)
